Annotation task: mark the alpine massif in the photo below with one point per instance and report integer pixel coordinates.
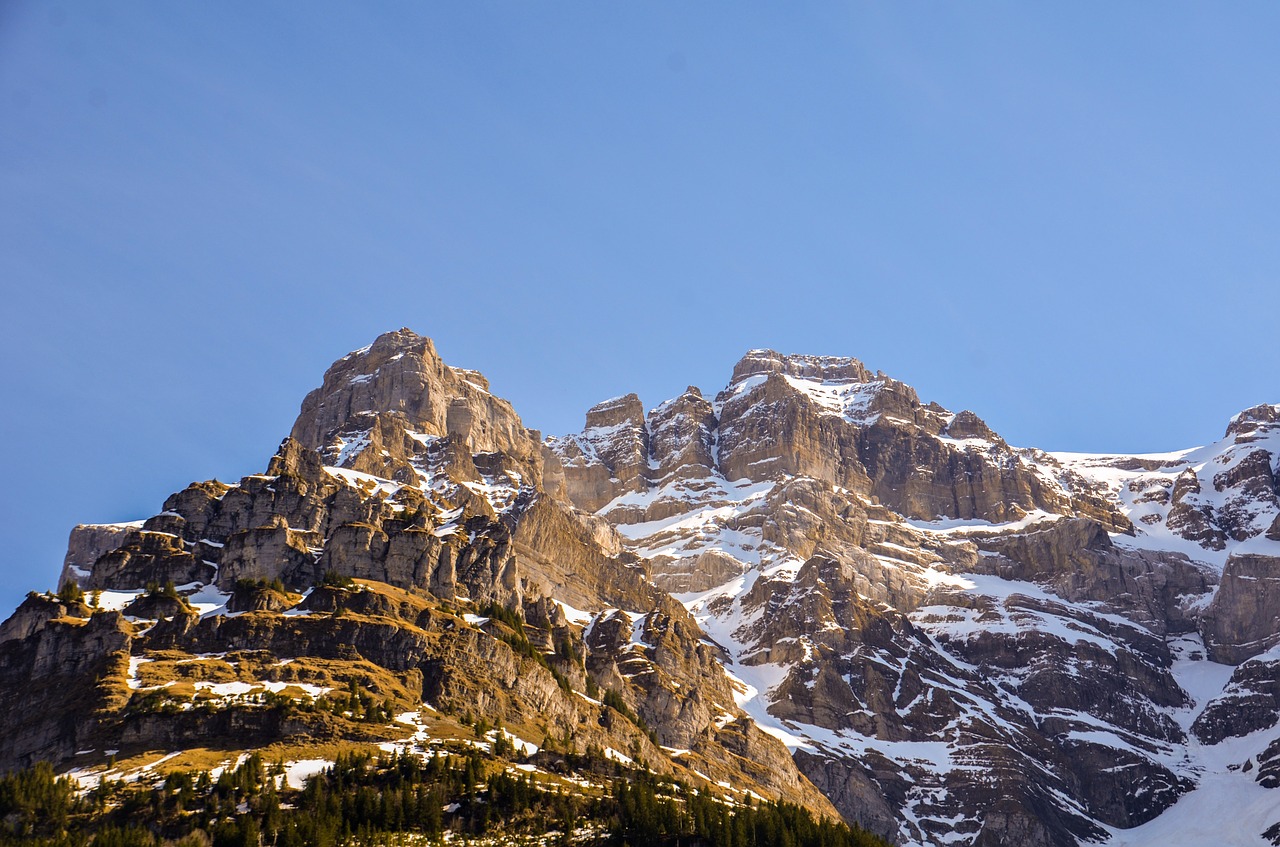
(808, 598)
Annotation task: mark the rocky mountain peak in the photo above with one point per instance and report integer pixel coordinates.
(966, 424)
(626, 409)
(403, 340)
(820, 368)
(384, 408)
(682, 436)
(960, 641)
(1253, 419)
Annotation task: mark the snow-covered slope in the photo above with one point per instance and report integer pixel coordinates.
(962, 641)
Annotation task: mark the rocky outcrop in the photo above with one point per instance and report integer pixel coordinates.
(1253, 484)
(398, 389)
(682, 434)
(258, 596)
(962, 641)
(1076, 557)
(149, 557)
(58, 686)
(1189, 517)
(695, 573)
(609, 457)
(966, 424)
(562, 557)
(1244, 618)
(35, 612)
(1247, 425)
(769, 429)
(858, 794)
(1248, 703)
(87, 544)
(269, 552)
(1235, 495)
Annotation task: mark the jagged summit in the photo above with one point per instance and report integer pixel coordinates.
(402, 376)
(1253, 419)
(820, 368)
(956, 641)
(406, 507)
(395, 410)
(811, 487)
(820, 416)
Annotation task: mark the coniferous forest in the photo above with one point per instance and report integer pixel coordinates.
(397, 799)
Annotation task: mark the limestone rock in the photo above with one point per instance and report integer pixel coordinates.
(1078, 559)
(35, 612)
(87, 544)
(968, 425)
(401, 375)
(149, 557)
(609, 457)
(1190, 517)
(55, 685)
(273, 551)
(1244, 618)
(1248, 424)
(1250, 702)
(682, 436)
(697, 573)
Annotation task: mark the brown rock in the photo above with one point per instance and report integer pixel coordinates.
(1244, 618)
(1190, 518)
(87, 544)
(1077, 559)
(401, 374)
(149, 557)
(681, 435)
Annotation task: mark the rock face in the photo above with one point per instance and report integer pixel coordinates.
(407, 498)
(820, 417)
(382, 409)
(1077, 559)
(609, 457)
(1244, 618)
(889, 578)
(812, 586)
(56, 685)
(1250, 702)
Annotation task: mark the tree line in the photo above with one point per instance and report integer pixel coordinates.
(367, 800)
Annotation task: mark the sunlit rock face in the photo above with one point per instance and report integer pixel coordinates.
(962, 641)
(808, 584)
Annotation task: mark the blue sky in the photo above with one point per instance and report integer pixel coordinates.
(1061, 217)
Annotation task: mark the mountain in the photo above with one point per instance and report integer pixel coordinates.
(810, 588)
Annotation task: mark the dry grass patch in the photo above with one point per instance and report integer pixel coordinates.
(158, 671)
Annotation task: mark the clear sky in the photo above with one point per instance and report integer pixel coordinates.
(1062, 216)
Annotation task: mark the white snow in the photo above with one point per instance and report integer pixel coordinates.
(1228, 808)
(296, 773)
(961, 527)
(1140, 492)
(850, 400)
(574, 616)
(240, 689)
(114, 601)
(131, 679)
(208, 600)
(380, 486)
